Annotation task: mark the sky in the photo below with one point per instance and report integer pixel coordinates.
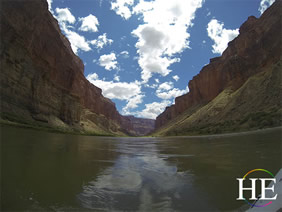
(142, 54)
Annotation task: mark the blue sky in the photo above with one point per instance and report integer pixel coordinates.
(142, 54)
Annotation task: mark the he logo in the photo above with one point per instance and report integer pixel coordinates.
(253, 188)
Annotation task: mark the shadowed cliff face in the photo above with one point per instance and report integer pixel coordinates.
(256, 49)
(140, 126)
(42, 79)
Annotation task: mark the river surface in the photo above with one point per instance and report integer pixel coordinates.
(59, 172)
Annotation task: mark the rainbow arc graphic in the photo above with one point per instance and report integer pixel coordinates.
(254, 170)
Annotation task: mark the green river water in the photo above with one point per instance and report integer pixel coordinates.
(60, 172)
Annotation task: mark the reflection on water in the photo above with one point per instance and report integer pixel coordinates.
(48, 171)
(141, 179)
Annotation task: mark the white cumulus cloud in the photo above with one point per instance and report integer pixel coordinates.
(50, 5)
(101, 41)
(163, 34)
(77, 41)
(133, 103)
(153, 109)
(65, 18)
(89, 23)
(167, 91)
(64, 15)
(108, 61)
(165, 86)
(121, 7)
(92, 77)
(126, 91)
(116, 78)
(175, 92)
(264, 4)
(220, 35)
(176, 77)
(116, 90)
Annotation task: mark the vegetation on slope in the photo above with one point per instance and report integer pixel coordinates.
(255, 105)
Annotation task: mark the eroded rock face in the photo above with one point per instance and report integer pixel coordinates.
(257, 46)
(139, 126)
(41, 77)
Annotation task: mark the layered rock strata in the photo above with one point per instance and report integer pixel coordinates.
(42, 80)
(256, 49)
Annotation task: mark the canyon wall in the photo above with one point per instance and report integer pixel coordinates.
(140, 126)
(256, 49)
(42, 80)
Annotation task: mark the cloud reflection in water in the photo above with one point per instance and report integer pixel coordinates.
(140, 179)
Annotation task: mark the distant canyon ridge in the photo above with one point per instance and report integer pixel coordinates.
(43, 83)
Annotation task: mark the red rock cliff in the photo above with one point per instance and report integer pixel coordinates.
(139, 126)
(41, 77)
(258, 45)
